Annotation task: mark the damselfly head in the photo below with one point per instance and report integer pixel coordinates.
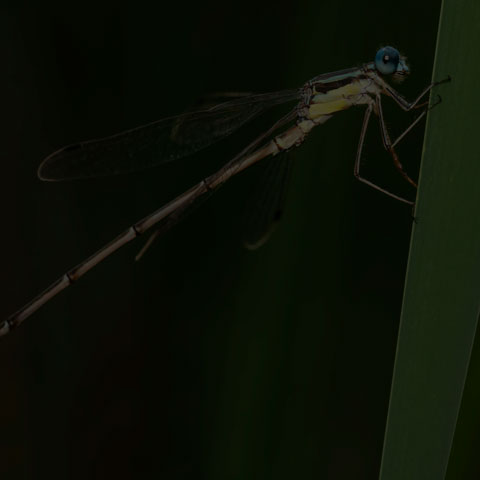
(388, 61)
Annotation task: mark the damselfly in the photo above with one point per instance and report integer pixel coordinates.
(176, 137)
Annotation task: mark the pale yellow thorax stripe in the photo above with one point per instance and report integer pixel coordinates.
(318, 109)
(338, 99)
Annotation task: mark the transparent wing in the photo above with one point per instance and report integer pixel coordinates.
(272, 167)
(158, 142)
(267, 202)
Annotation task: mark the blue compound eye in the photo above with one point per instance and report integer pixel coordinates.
(386, 60)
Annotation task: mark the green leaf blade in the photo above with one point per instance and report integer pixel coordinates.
(442, 291)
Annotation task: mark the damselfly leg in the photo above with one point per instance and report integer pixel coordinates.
(422, 115)
(387, 143)
(405, 104)
(358, 159)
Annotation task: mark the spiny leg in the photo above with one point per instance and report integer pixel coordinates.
(387, 143)
(405, 104)
(410, 127)
(356, 169)
(402, 135)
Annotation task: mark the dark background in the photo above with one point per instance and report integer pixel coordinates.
(203, 360)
